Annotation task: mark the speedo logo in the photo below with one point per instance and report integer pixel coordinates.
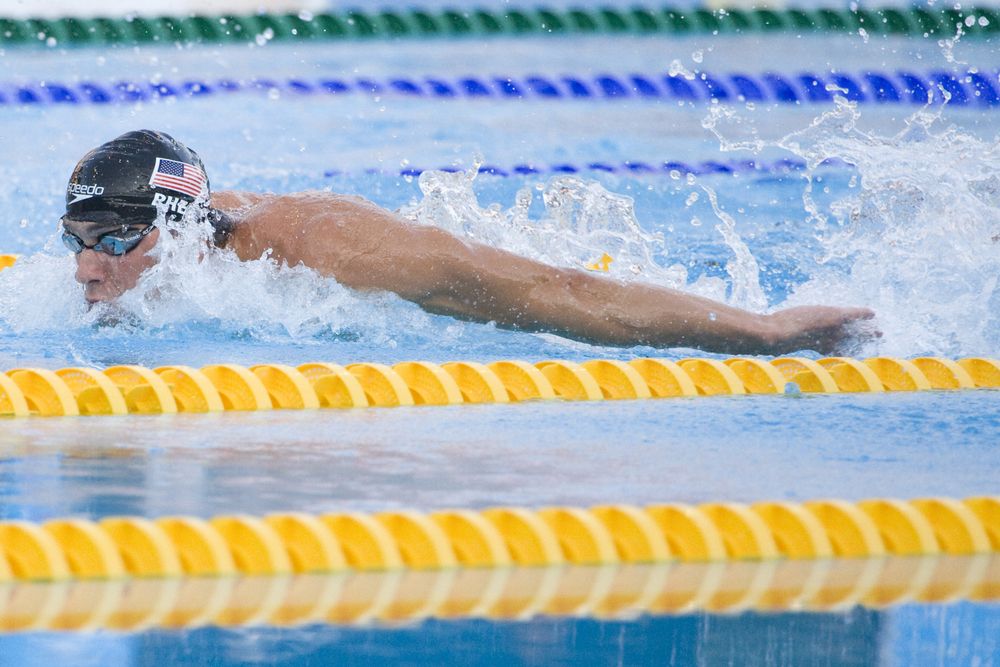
(170, 203)
(81, 191)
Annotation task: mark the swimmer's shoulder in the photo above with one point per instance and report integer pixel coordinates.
(256, 209)
(233, 202)
(258, 222)
(240, 204)
(245, 212)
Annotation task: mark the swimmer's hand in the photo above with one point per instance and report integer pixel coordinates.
(825, 329)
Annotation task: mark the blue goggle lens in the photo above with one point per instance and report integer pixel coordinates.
(110, 244)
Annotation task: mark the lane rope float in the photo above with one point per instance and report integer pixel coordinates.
(130, 573)
(479, 23)
(975, 87)
(299, 543)
(122, 390)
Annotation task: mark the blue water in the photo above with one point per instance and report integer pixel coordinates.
(907, 230)
(693, 450)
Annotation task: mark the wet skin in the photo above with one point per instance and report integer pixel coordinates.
(367, 248)
(106, 277)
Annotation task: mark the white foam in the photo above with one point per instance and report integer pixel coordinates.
(918, 234)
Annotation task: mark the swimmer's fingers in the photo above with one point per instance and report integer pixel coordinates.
(849, 315)
(825, 329)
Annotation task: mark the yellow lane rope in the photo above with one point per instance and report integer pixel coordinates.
(137, 390)
(285, 543)
(128, 573)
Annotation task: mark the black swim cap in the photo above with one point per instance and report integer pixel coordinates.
(124, 182)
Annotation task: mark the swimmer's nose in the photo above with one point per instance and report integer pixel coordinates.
(90, 267)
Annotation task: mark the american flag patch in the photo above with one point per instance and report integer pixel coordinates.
(178, 176)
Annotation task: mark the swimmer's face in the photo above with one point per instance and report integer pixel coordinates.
(106, 277)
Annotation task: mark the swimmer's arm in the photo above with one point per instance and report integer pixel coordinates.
(367, 248)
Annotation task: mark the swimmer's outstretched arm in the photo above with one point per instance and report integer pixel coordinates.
(368, 248)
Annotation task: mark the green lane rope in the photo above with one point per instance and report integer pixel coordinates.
(418, 23)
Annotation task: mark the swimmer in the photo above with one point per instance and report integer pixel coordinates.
(118, 189)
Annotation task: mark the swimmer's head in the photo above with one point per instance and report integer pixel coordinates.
(117, 193)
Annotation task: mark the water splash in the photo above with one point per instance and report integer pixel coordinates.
(743, 271)
(581, 221)
(193, 282)
(916, 239)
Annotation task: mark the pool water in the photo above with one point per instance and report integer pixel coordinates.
(905, 221)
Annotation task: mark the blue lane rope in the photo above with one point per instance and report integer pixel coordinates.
(980, 88)
(628, 167)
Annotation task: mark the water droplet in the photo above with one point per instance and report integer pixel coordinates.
(695, 222)
(713, 317)
(674, 174)
(698, 56)
(692, 198)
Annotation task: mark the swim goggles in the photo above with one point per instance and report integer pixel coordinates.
(111, 244)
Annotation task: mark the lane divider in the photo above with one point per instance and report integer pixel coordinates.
(610, 591)
(479, 23)
(975, 87)
(628, 167)
(283, 543)
(130, 389)
(132, 573)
